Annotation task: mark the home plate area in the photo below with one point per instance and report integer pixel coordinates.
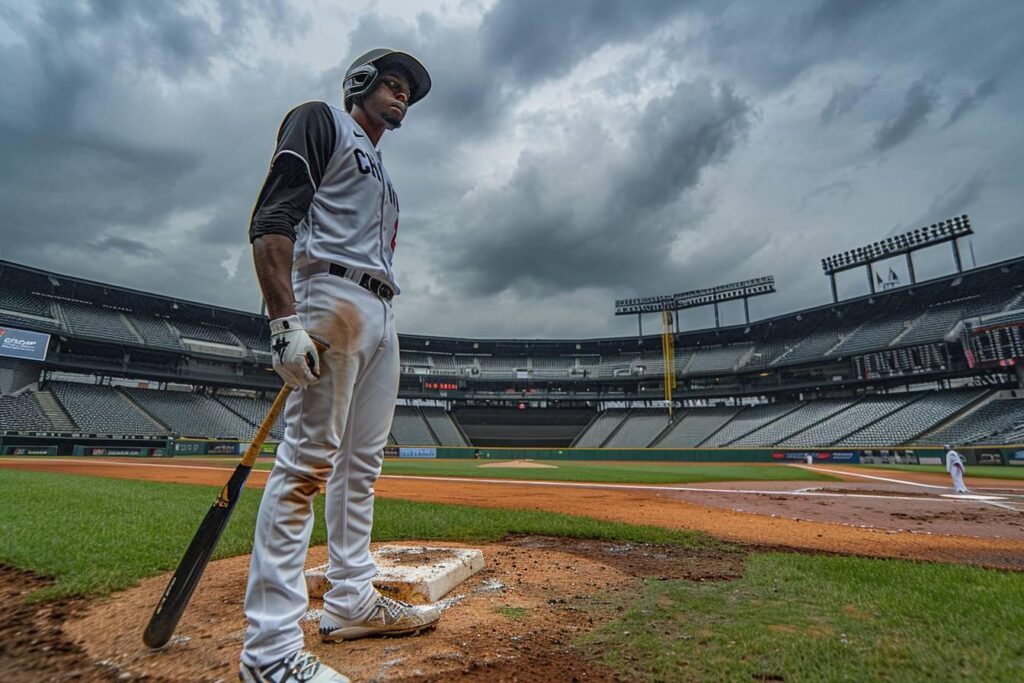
(417, 575)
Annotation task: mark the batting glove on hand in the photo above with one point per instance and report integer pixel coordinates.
(295, 356)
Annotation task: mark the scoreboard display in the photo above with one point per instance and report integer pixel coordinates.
(444, 385)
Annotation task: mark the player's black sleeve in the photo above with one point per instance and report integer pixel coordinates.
(305, 144)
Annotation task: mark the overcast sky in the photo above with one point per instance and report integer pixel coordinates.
(570, 152)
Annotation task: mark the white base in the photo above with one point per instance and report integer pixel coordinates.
(415, 574)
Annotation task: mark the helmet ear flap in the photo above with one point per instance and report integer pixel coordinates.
(358, 83)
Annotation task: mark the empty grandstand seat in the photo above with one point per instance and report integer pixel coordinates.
(804, 416)
(156, 331)
(410, 429)
(443, 426)
(917, 417)
(641, 427)
(190, 414)
(210, 333)
(717, 359)
(981, 425)
(98, 322)
(693, 425)
(749, 419)
(22, 413)
(100, 409)
(846, 422)
(253, 409)
(601, 428)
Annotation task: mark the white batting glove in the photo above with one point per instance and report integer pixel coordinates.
(295, 356)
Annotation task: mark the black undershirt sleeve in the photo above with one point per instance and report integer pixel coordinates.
(305, 144)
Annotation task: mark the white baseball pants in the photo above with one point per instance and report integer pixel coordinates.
(335, 432)
(957, 473)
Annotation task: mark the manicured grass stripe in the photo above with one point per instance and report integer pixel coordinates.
(97, 535)
(602, 472)
(806, 618)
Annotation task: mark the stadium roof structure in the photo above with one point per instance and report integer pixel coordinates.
(1005, 274)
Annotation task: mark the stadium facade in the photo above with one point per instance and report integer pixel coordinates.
(917, 364)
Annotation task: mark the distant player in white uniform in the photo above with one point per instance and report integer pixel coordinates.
(955, 467)
(324, 231)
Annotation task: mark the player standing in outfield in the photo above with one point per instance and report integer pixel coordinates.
(955, 467)
(323, 234)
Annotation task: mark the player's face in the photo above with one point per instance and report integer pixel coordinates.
(390, 99)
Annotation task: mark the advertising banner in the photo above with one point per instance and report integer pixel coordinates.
(214, 448)
(188, 447)
(417, 452)
(845, 456)
(1016, 458)
(22, 344)
(31, 450)
(391, 451)
(989, 457)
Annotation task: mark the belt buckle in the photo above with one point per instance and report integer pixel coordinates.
(385, 292)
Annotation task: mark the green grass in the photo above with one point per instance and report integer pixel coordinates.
(95, 535)
(807, 618)
(606, 472)
(513, 613)
(986, 471)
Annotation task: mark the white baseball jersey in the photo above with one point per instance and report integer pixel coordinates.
(334, 199)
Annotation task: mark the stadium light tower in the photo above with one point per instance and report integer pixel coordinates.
(944, 231)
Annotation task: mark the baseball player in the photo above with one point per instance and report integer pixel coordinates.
(324, 232)
(955, 467)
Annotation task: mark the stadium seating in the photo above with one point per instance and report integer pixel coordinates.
(870, 336)
(22, 413)
(253, 409)
(441, 423)
(599, 429)
(192, 415)
(720, 359)
(157, 332)
(805, 415)
(746, 421)
(695, 425)
(100, 409)
(409, 428)
(641, 427)
(17, 301)
(992, 418)
(904, 425)
(812, 347)
(218, 335)
(97, 322)
(846, 422)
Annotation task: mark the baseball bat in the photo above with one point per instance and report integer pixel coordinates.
(186, 577)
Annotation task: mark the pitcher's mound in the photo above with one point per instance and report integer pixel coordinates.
(521, 464)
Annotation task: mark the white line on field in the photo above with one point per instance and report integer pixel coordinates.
(119, 463)
(681, 489)
(870, 476)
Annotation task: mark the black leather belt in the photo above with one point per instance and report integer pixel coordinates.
(367, 281)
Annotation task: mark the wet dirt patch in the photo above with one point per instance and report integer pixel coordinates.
(518, 619)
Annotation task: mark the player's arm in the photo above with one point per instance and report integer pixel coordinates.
(305, 144)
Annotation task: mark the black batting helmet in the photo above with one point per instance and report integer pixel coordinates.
(361, 77)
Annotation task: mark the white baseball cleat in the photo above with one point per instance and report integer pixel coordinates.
(301, 667)
(389, 617)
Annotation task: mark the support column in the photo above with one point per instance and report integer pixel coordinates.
(871, 277)
(640, 323)
(910, 268)
(717, 320)
(956, 257)
(746, 310)
(835, 294)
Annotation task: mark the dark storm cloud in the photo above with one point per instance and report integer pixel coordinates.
(957, 198)
(538, 39)
(613, 234)
(985, 89)
(841, 15)
(844, 98)
(125, 245)
(103, 154)
(918, 103)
